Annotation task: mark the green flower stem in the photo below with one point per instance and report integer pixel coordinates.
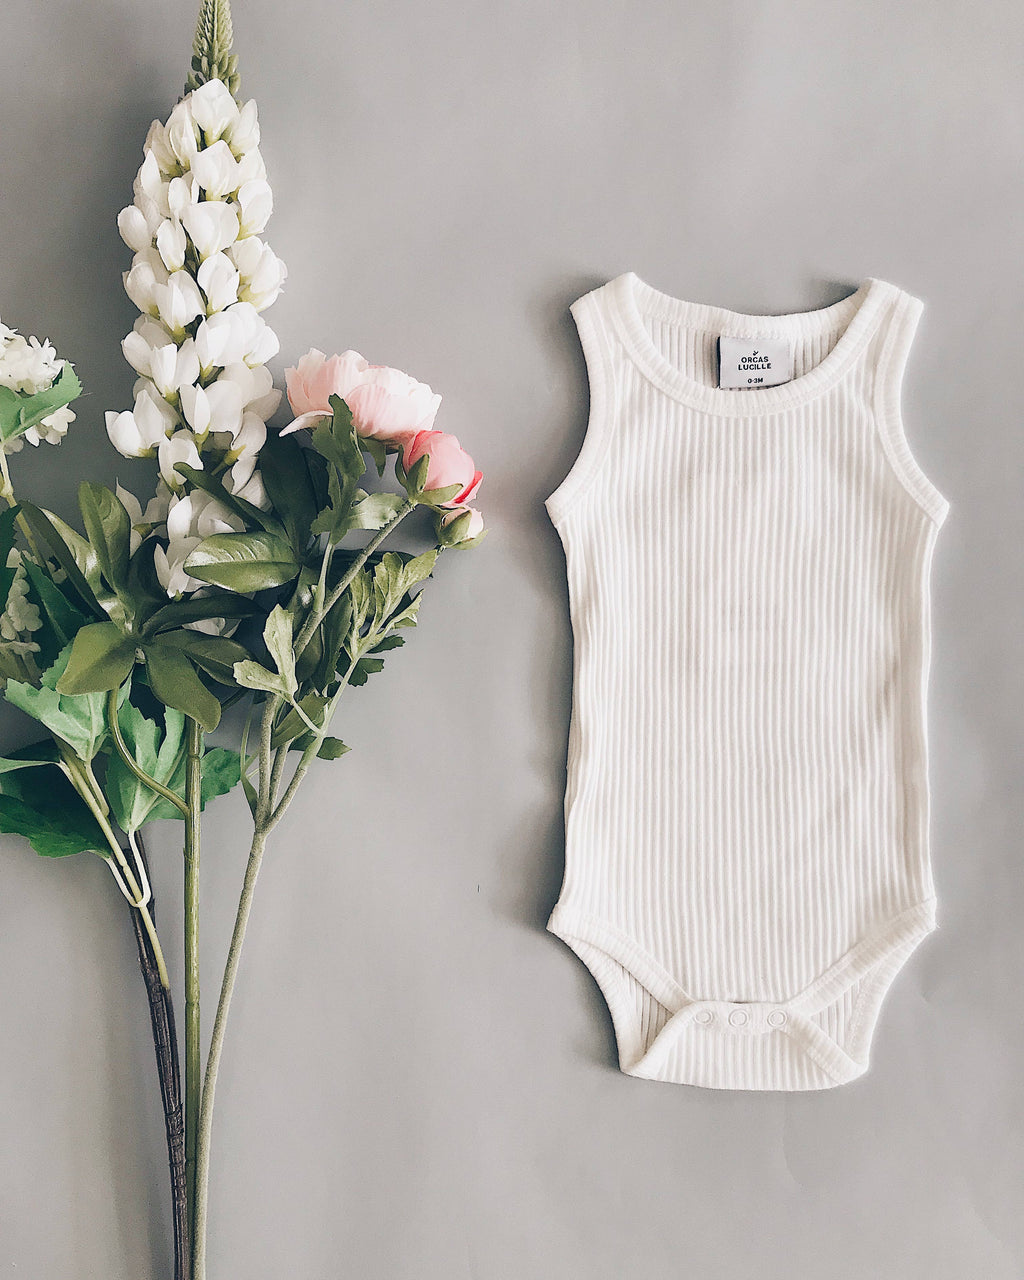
(133, 764)
(82, 780)
(193, 1058)
(315, 618)
(256, 850)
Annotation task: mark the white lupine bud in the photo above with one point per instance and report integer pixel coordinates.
(150, 210)
(251, 490)
(218, 279)
(250, 439)
(141, 285)
(182, 194)
(156, 419)
(251, 166)
(264, 348)
(150, 183)
(255, 386)
(217, 170)
(225, 403)
(156, 141)
(213, 338)
(256, 201)
(169, 566)
(181, 447)
(212, 226)
(244, 133)
(210, 516)
(134, 229)
(261, 270)
(213, 109)
(125, 435)
(181, 134)
(138, 345)
(196, 408)
(172, 367)
(170, 243)
(179, 302)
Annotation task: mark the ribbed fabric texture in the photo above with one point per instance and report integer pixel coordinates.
(747, 802)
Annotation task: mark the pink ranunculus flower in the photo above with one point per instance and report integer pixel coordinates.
(391, 406)
(317, 377)
(449, 464)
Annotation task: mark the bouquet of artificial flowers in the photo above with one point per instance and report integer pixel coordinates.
(255, 574)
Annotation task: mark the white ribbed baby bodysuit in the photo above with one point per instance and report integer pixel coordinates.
(747, 806)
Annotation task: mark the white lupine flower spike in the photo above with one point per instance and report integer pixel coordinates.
(200, 276)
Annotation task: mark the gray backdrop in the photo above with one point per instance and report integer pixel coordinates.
(420, 1082)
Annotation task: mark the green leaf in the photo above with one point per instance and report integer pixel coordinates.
(78, 719)
(277, 635)
(253, 675)
(377, 450)
(289, 486)
(438, 497)
(251, 514)
(19, 411)
(332, 748)
(158, 753)
(199, 608)
(109, 529)
(70, 550)
(61, 614)
(102, 657)
(174, 681)
(45, 808)
(243, 561)
(364, 668)
(8, 766)
(216, 655)
(375, 510)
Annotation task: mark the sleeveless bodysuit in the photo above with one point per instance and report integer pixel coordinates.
(747, 801)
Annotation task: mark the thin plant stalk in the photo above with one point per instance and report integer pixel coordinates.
(165, 1044)
(193, 1050)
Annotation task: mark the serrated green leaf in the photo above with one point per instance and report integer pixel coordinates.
(332, 749)
(43, 806)
(253, 675)
(364, 668)
(157, 752)
(77, 719)
(174, 681)
(19, 411)
(243, 562)
(221, 770)
(375, 510)
(277, 636)
(377, 450)
(102, 657)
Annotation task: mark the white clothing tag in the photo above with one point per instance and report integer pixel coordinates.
(754, 362)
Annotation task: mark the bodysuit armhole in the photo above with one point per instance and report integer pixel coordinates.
(888, 408)
(590, 325)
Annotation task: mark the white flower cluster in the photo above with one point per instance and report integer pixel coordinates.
(20, 617)
(200, 276)
(30, 366)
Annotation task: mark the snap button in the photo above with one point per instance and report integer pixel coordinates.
(739, 1017)
(777, 1018)
(704, 1017)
